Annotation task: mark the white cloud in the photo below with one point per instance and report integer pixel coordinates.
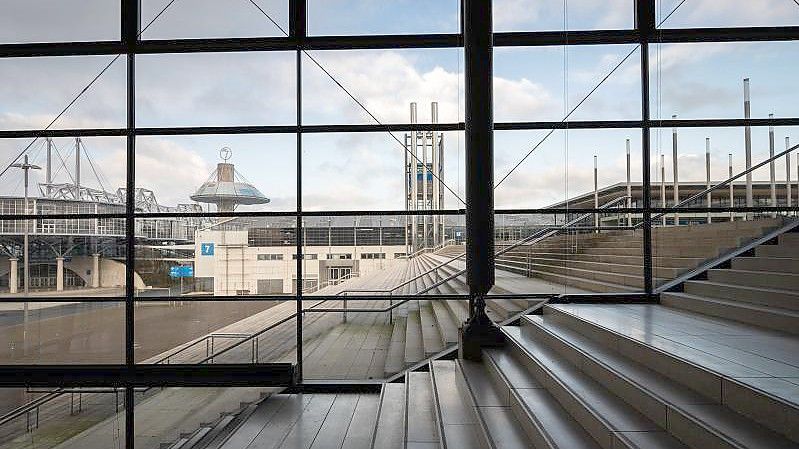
(512, 13)
(165, 167)
(712, 13)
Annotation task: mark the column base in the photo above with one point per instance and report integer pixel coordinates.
(478, 333)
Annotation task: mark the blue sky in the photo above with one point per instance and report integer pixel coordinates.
(363, 171)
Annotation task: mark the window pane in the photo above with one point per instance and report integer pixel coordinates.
(59, 20)
(575, 253)
(216, 89)
(193, 330)
(31, 99)
(729, 13)
(365, 170)
(80, 332)
(201, 413)
(183, 174)
(96, 164)
(707, 80)
(560, 171)
(75, 418)
(406, 76)
(366, 261)
(522, 15)
(342, 17)
(529, 83)
(726, 148)
(217, 256)
(212, 18)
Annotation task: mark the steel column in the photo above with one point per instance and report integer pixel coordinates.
(477, 30)
(478, 42)
(131, 24)
(645, 25)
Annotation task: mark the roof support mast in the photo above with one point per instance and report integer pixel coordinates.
(77, 168)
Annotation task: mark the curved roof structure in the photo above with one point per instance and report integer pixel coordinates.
(238, 192)
(227, 188)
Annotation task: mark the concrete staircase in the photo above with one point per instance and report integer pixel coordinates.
(578, 376)
(426, 327)
(419, 329)
(761, 288)
(576, 382)
(612, 261)
(715, 365)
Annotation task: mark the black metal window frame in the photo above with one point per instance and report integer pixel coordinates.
(130, 375)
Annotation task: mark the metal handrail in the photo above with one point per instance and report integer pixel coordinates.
(251, 336)
(548, 231)
(533, 239)
(28, 407)
(721, 184)
(328, 283)
(426, 249)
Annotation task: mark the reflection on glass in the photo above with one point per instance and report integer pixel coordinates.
(194, 414)
(73, 418)
(63, 332)
(345, 17)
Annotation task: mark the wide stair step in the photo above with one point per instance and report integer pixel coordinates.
(431, 336)
(414, 341)
(498, 422)
(390, 430)
(458, 424)
(395, 356)
(694, 419)
(769, 297)
(546, 423)
(583, 283)
(779, 319)
(607, 418)
(767, 264)
(785, 281)
(421, 430)
(745, 368)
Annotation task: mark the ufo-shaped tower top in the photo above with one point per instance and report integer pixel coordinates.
(227, 188)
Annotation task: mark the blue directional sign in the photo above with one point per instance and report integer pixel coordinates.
(206, 249)
(181, 271)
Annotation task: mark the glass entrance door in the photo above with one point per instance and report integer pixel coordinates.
(335, 275)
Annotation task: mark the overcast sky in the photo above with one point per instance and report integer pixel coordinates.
(364, 171)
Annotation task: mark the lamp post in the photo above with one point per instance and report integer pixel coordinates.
(26, 167)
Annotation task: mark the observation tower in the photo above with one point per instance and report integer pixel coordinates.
(227, 188)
